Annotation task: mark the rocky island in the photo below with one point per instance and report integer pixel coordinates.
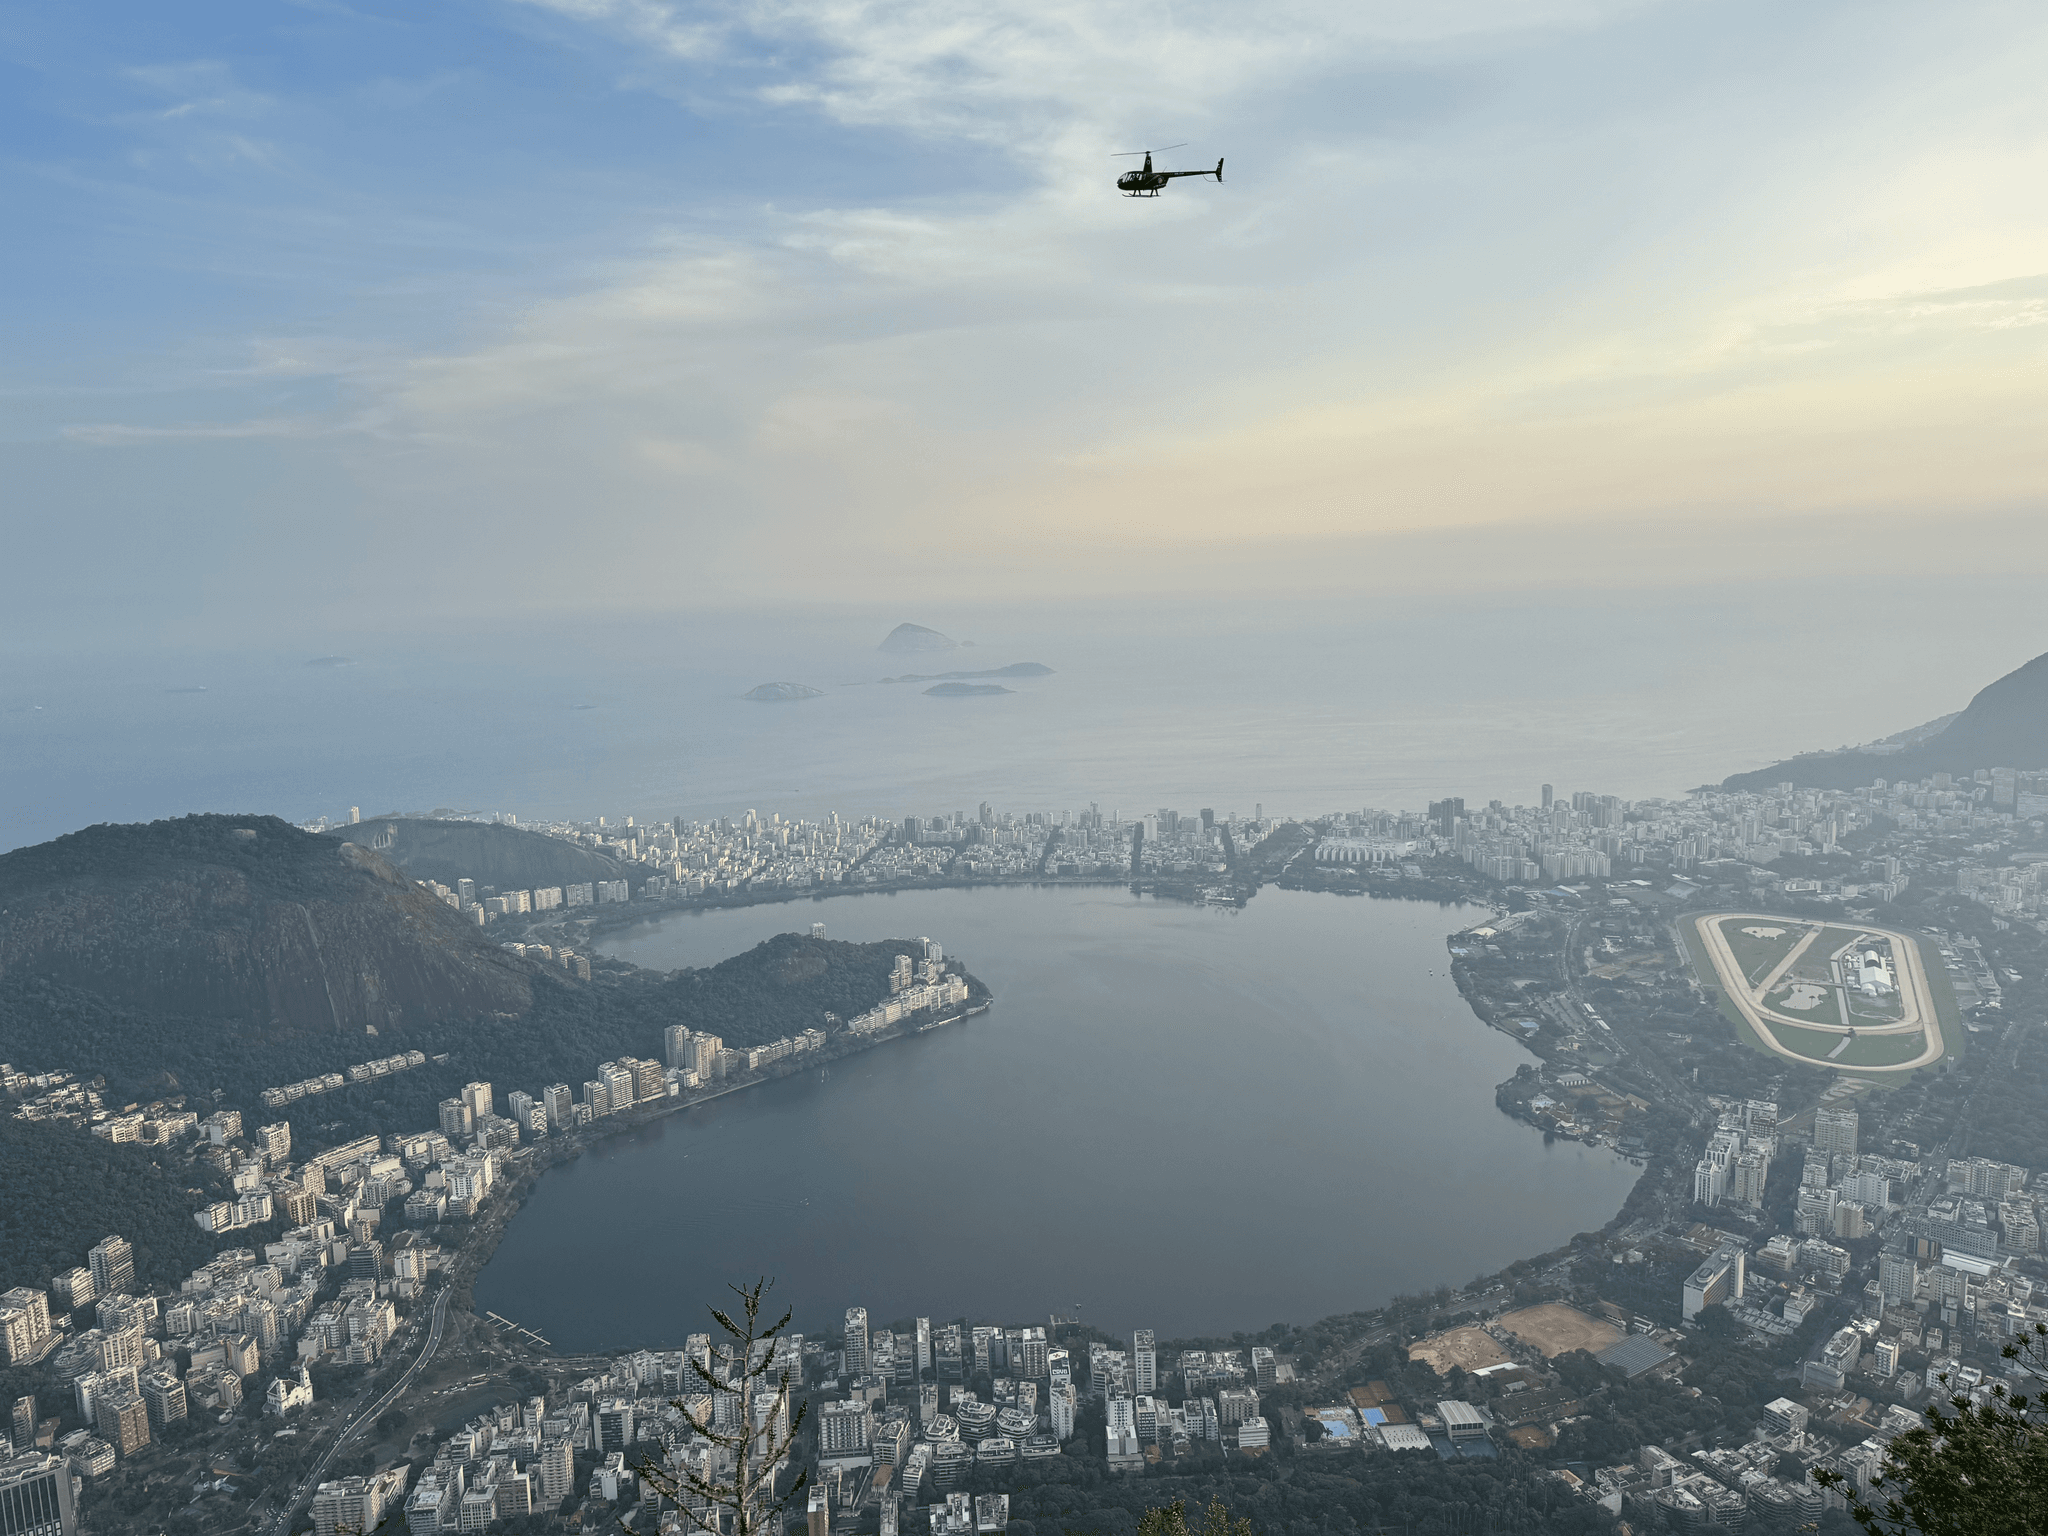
(915, 637)
(782, 693)
(1015, 669)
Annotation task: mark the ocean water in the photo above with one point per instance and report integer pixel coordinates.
(1182, 1118)
(1389, 699)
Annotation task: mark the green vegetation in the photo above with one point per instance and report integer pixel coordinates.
(273, 861)
(1291, 1492)
(1882, 1050)
(507, 858)
(1758, 956)
(783, 985)
(1814, 963)
(1955, 1038)
(1734, 1377)
(248, 929)
(1172, 1520)
(1973, 1469)
(2006, 1122)
(1826, 1002)
(1864, 1011)
(1863, 1051)
(1811, 1043)
(67, 1189)
(744, 1502)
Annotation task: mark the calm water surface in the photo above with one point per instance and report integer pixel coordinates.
(1188, 1119)
(1304, 707)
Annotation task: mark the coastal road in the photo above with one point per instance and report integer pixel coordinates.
(1916, 994)
(436, 1327)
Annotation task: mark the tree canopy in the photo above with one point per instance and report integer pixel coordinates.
(1977, 1467)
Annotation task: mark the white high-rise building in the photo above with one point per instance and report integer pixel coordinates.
(1063, 1408)
(1147, 1411)
(557, 1469)
(1898, 1278)
(845, 1429)
(1122, 1432)
(1834, 1131)
(856, 1341)
(1871, 1189)
(1719, 1279)
(1236, 1404)
(1746, 1177)
(1816, 1212)
(1144, 1363)
(561, 1107)
(113, 1266)
(1032, 1350)
(24, 1325)
(1710, 1177)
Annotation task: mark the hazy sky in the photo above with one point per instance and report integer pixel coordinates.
(324, 315)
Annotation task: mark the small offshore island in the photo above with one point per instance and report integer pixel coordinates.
(781, 693)
(1015, 669)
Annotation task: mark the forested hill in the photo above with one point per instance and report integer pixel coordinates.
(509, 858)
(2006, 726)
(785, 984)
(248, 929)
(66, 1189)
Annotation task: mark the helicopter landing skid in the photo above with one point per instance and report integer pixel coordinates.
(1153, 193)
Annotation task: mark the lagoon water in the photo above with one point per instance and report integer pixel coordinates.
(1189, 1119)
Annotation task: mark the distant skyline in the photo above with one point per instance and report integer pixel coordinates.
(324, 318)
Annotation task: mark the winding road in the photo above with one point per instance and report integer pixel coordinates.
(311, 1483)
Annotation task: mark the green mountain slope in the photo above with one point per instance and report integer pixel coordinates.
(247, 927)
(2005, 726)
(510, 858)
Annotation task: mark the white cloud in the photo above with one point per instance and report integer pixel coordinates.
(1438, 324)
(1475, 265)
(1053, 70)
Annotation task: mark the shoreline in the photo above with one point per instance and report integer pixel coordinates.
(1647, 1163)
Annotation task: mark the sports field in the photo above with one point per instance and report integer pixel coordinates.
(1759, 946)
(1780, 977)
(1558, 1330)
(1469, 1349)
(1839, 1050)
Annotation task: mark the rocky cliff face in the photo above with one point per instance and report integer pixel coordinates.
(249, 920)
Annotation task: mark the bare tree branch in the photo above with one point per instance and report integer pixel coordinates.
(743, 1504)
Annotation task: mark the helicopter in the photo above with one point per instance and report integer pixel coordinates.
(1148, 182)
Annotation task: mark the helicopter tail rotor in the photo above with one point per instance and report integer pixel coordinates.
(1219, 170)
